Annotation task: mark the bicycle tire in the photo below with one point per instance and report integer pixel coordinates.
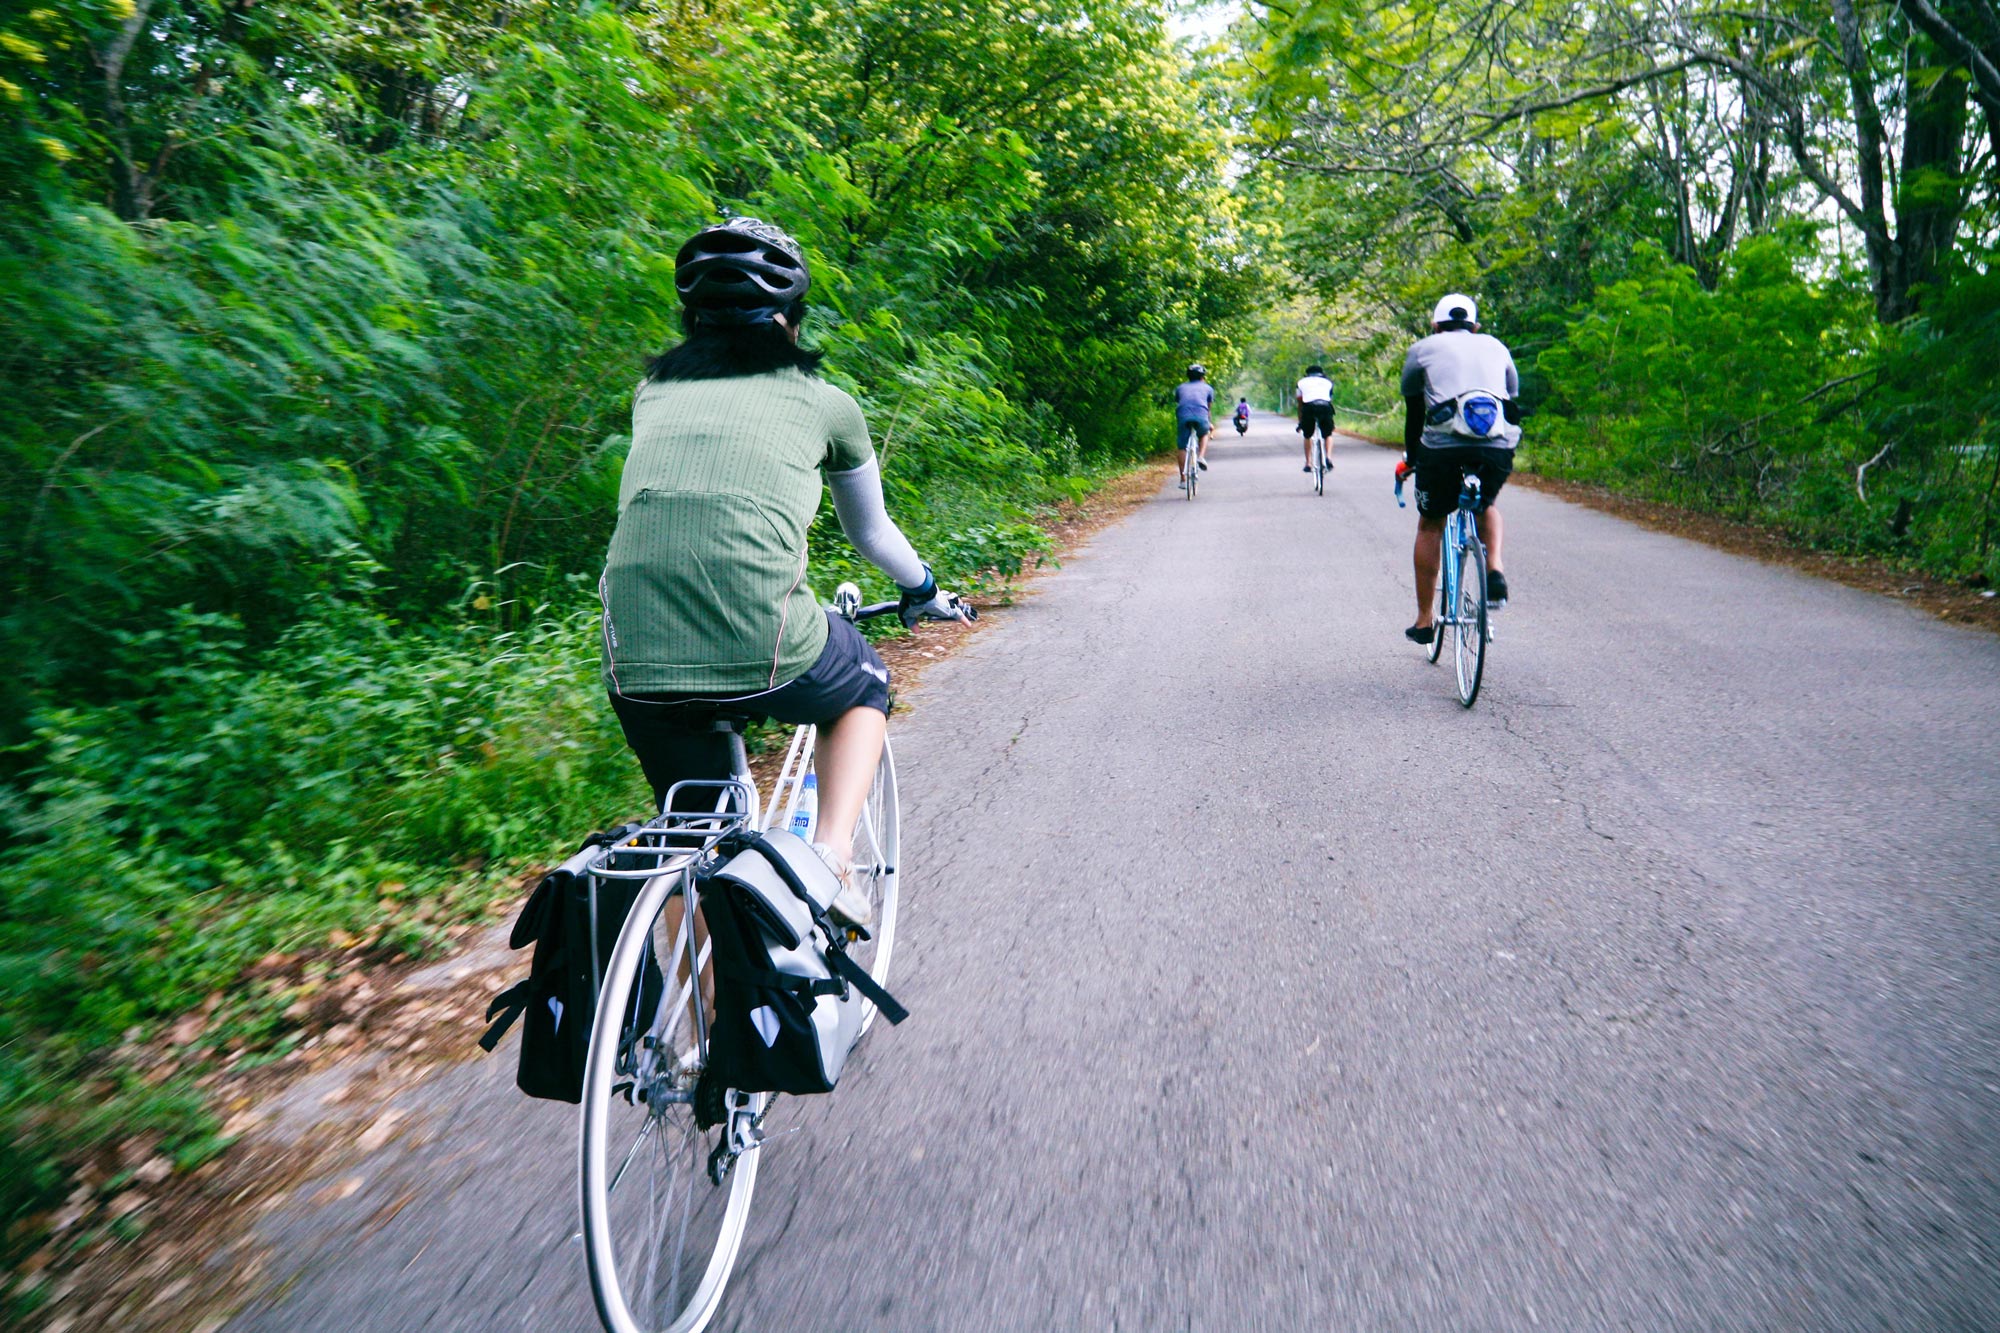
(660, 1237)
(878, 840)
(1440, 605)
(1471, 655)
(1319, 468)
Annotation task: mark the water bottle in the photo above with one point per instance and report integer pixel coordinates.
(806, 813)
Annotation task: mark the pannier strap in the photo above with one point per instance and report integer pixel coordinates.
(836, 958)
(509, 1004)
(859, 978)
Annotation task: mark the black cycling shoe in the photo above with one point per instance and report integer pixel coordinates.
(1202, 464)
(1420, 633)
(1307, 468)
(1496, 589)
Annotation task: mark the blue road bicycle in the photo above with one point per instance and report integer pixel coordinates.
(1461, 590)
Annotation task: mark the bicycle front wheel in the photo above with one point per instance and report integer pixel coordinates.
(1440, 602)
(1471, 658)
(660, 1233)
(878, 840)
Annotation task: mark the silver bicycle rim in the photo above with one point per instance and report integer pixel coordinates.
(1471, 656)
(878, 872)
(659, 1237)
(1441, 598)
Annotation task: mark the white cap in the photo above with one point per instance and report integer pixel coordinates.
(1454, 307)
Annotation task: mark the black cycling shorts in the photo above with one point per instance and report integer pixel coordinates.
(1440, 473)
(673, 735)
(1316, 417)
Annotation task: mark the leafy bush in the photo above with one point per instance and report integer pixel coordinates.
(1774, 396)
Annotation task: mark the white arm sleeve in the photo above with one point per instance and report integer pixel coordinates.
(857, 500)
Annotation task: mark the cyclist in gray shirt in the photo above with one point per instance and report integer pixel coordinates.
(1459, 387)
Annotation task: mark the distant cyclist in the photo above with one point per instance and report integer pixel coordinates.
(1460, 416)
(1242, 415)
(1193, 401)
(704, 587)
(1314, 398)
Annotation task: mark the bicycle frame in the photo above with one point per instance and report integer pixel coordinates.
(1461, 530)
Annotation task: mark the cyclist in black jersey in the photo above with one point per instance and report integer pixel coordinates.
(1314, 398)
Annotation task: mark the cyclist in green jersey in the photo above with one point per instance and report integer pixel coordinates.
(704, 587)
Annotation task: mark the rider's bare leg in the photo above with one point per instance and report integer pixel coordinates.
(1428, 556)
(844, 763)
(1201, 454)
(1489, 532)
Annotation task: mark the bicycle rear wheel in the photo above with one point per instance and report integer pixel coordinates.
(1471, 657)
(1319, 468)
(660, 1234)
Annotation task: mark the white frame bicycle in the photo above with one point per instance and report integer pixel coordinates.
(666, 1176)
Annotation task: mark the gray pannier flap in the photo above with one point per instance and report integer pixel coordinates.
(789, 921)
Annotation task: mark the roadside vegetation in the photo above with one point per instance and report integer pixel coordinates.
(322, 325)
(1745, 257)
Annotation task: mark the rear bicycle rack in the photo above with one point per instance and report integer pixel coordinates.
(672, 842)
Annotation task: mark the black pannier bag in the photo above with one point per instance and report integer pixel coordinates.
(789, 1002)
(558, 1000)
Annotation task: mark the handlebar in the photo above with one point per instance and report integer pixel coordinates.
(847, 601)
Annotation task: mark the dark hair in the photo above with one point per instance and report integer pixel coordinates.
(723, 351)
(1314, 370)
(1452, 324)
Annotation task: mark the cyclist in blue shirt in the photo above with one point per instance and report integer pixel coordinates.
(1193, 401)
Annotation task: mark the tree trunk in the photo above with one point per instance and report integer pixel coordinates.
(1883, 263)
(1931, 196)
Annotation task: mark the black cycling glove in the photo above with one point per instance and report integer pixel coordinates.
(927, 601)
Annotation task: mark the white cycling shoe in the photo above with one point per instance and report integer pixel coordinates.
(850, 904)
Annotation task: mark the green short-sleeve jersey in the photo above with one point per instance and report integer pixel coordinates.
(704, 587)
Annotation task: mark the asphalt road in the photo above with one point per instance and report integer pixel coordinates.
(1259, 986)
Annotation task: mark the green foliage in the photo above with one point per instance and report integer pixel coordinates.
(323, 321)
(220, 804)
(1774, 396)
(1702, 396)
(1743, 260)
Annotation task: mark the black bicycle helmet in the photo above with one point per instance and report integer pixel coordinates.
(1197, 370)
(741, 271)
(1314, 370)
